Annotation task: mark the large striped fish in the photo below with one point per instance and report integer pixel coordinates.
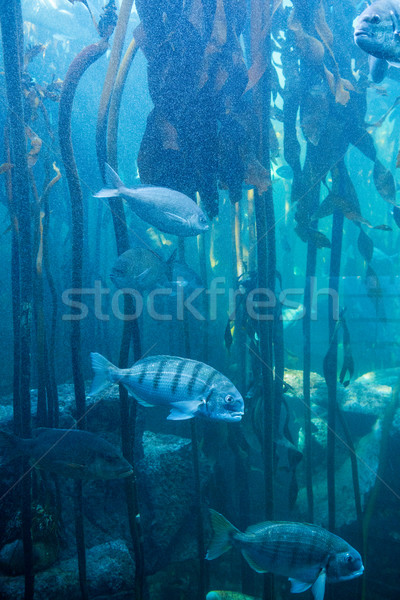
(309, 555)
(189, 387)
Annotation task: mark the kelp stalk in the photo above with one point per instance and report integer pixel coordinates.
(12, 41)
(115, 102)
(261, 21)
(107, 142)
(203, 571)
(115, 57)
(77, 68)
(339, 176)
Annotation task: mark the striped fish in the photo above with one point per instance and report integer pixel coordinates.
(309, 555)
(189, 387)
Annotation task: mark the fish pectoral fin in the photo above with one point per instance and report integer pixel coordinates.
(177, 415)
(297, 587)
(318, 588)
(106, 193)
(76, 466)
(175, 217)
(184, 410)
(142, 275)
(140, 400)
(252, 563)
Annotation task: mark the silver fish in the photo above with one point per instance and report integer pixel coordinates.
(377, 32)
(188, 387)
(69, 452)
(168, 210)
(309, 555)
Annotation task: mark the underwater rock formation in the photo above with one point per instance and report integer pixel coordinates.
(166, 484)
(110, 571)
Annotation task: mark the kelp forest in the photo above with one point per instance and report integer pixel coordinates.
(264, 113)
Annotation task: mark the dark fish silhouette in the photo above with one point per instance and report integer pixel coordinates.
(140, 269)
(69, 452)
(309, 555)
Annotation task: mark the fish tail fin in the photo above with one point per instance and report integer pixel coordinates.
(104, 373)
(10, 447)
(112, 178)
(223, 533)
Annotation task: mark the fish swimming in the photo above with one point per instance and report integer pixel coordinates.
(225, 595)
(377, 32)
(140, 269)
(69, 452)
(309, 555)
(168, 210)
(188, 387)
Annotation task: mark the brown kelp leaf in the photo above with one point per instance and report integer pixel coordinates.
(326, 208)
(357, 218)
(169, 135)
(383, 227)
(384, 182)
(5, 167)
(257, 175)
(39, 258)
(318, 238)
(216, 42)
(195, 15)
(396, 215)
(348, 361)
(31, 52)
(372, 283)
(228, 337)
(365, 246)
(36, 144)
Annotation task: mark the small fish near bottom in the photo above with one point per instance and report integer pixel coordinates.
(307, 554)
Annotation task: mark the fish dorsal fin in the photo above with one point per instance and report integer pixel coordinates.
(253, 564)
(258, 528)
(184, 410)
(318, 588)
(112, 178)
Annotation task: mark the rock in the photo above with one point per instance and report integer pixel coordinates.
(12, 557)
(167, 498)
(367, 451)
(110, 571)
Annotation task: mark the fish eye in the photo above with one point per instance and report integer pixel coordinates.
(349, 559)
(229, 398)
(375, 19)
(203, 219)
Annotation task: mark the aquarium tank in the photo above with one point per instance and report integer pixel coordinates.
(199, 299)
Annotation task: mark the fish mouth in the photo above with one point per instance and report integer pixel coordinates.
(125, 473)
(363, 33)
(235, 415)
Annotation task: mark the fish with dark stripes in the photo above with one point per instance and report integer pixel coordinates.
(190, 388)
(309, 555)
